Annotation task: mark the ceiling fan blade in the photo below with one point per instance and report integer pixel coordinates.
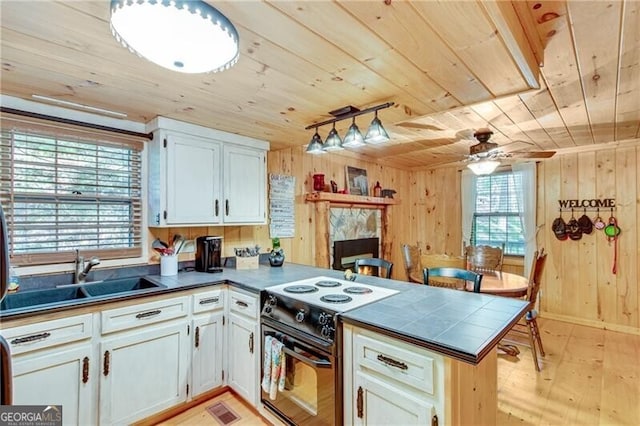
(412, 125)
(533, 154)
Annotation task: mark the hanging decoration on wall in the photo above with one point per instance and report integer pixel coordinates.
(282, 206)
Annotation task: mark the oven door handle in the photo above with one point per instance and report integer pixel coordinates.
(309, 361)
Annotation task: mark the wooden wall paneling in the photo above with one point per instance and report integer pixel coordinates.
(607, 292)
(571, 249)
(627, 202)
(587, 284)
(628, 108)
(551, 292)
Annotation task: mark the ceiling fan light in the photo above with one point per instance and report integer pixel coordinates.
(315, 145)
(376, 133)
(183, 36)
(353, 138)
(483, 167)
(333, 142)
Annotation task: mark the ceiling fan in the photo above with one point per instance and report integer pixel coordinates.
(484, 157)
(485, 150)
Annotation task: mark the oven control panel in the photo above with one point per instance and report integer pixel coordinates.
(302, 316)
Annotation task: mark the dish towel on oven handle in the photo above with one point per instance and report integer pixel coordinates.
(274, 367)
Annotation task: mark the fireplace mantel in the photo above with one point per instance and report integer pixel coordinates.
(325, 200)
(349, 199)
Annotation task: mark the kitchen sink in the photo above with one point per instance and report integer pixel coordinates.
(120, 285)
(42, 297)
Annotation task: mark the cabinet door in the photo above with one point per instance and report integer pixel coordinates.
(243, 346)
(378, 403)
(59, 377)
(143, 372)
(244, 185)
(193, 180)
(206, 358)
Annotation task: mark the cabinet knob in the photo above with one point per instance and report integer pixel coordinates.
(85, 369)
(226, 207)
(105, 363)
(217, 207)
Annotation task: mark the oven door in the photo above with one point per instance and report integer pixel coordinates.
(308, 397)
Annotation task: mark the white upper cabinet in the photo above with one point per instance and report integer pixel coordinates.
(201, 176)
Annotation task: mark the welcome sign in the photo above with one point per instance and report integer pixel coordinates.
(590, 203)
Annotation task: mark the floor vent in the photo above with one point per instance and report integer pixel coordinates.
(223, 414)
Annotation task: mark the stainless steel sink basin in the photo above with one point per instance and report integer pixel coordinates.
(42, 297)
(121, 285)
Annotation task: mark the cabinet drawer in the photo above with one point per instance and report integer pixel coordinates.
(143, 314)
(243, 304)
(208, 301)
(50, 333)
(397, 361)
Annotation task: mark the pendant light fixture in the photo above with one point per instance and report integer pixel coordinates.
(353, 138)
(180, 35)
(483, 167)
(315, 145)
(376, 133)
(333, 142)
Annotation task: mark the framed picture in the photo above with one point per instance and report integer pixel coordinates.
(357, 181)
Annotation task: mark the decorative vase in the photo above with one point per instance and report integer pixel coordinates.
(318, 182)
(276, 257)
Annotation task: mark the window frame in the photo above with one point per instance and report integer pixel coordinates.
(498, 215)
(50, 262)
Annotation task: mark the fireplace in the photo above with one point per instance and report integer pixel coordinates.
(346, 252)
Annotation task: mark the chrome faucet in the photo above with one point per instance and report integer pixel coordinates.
(82, 270)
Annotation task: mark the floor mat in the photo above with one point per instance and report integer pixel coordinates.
(223, 414)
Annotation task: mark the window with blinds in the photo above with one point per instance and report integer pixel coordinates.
(64, 192)
(497, 217)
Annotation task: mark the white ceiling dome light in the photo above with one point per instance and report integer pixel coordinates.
(184, 36)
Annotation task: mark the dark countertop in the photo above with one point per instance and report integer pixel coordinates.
(462, 325)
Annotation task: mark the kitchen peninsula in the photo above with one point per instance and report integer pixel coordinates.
(450, 338)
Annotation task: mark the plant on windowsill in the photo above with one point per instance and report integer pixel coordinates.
(276, 257)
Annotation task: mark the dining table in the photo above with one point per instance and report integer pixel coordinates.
(498, 283)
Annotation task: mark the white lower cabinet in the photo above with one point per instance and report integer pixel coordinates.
(58, 377)
(207, 340)
(243, 345)
(379, 403)
(143, 372)
(144, 354)
(391, 382)
(53, 364)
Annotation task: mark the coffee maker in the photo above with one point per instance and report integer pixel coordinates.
(208, 254)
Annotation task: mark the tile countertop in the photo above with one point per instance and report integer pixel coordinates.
(462, 325)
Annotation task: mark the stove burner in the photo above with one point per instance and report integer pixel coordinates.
(357, 290)
(328, 284)
(299, 289)
(336, 298)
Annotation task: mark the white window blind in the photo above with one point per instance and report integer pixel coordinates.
(68, 191)
(497, 217)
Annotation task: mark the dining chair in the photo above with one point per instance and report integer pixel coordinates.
(411, 256)
(375, 262)
(461, 276)
(528, 324)
(484, 258)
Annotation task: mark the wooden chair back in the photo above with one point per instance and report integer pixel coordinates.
(411, 258)
(375, 262)
(463, 275)
(484, 258)
(535, 276)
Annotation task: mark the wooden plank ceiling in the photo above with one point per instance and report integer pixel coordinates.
(450, 67)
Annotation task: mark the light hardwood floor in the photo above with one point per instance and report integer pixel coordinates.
(589, 377)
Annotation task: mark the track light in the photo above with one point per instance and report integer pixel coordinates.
(353, 139)
(315, 145)
(376, 133)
